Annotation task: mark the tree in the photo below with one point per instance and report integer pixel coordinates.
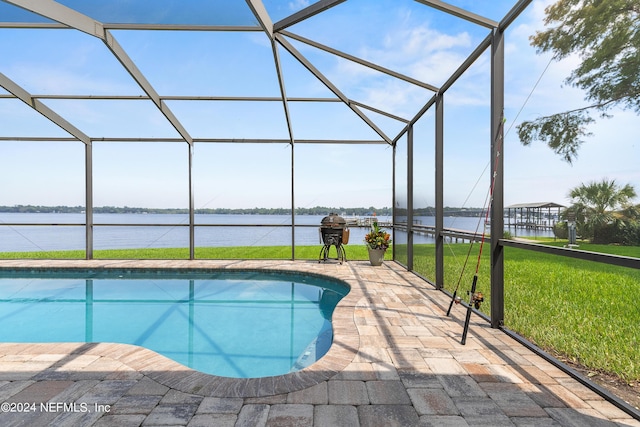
(606, 36)
(602, 209)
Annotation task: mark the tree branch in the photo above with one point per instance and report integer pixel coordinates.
(598, 106)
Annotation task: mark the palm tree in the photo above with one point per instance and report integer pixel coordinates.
(598, 206)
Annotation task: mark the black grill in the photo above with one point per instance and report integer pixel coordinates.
(334, 232)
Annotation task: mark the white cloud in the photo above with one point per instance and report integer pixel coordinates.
(298, 4)
(418, 51)
(61, 80)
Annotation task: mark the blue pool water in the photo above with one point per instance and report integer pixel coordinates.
(236, 324)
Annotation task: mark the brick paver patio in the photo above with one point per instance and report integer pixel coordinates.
(396, 361)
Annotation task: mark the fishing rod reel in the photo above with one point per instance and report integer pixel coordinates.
(476, 299)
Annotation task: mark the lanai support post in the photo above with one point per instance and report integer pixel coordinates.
(88, 197)
(394, 210)
(293, 202)
(410, 198)
(497, 163)
(439, 152)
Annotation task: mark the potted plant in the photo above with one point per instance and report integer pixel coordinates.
(377, 241)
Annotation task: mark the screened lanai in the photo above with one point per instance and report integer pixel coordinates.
(209, 103)
(259, 104)
(394, 104)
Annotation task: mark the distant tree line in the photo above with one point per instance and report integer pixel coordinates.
(317, 210)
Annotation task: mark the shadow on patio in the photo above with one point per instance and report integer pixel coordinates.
(396, 360)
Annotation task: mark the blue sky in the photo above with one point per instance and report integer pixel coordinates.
(402, 35)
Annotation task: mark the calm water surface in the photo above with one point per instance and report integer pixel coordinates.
(239, 324)
(171, 231)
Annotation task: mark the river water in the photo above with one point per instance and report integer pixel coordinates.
(116, 231)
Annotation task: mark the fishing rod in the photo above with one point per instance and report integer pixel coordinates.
(476, 298)
(476, 303)
(454, 297)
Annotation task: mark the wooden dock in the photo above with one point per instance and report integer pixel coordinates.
(452, 235)
(367, 221)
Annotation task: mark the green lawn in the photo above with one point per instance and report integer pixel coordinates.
(585, 311)
(353, 252)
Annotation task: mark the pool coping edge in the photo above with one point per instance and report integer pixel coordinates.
(167, 372)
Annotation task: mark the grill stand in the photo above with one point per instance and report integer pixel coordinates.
(333, 233)
(332, 240)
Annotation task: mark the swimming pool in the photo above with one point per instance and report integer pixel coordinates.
(242, 324)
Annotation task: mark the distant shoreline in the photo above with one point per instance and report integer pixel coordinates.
(317, 210)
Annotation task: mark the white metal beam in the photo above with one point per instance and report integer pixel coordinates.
(137, 75)
(28, 99)
(283, 92)
(361, 61)
(479, 50)
(460, 13)
(262, 16)
(307, 12)
(198, 140)
(381, 112)
(60, 13)
(292, 50)
(515, 11)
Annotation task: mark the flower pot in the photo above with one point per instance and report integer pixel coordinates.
(376, 256)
